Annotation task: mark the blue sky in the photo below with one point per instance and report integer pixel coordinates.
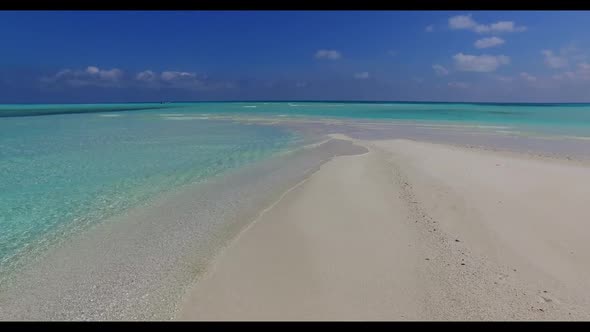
(124, 56)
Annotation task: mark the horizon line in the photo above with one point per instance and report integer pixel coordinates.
(302, 100)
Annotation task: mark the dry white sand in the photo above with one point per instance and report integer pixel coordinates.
(412, 231)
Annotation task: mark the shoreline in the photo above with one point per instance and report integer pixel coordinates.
(135, 266)
(436, 263)
(111, 287)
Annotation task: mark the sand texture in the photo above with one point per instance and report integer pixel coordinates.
(412, 231)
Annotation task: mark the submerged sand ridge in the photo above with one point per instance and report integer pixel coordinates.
(411, 231)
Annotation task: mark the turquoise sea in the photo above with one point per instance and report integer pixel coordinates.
(60, 173)
(559, 119)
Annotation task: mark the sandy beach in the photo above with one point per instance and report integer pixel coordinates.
(411, 231)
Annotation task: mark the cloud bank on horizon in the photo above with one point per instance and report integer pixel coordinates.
(483, 56)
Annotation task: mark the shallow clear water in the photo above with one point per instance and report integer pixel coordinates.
(542, 119)
(60, 173)
(63, 167)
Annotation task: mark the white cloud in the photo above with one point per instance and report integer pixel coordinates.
(466, 22)
(429, 28)
(328, 54)
(92, 70)
(110, 75)
(440, 70)
(459, 85)
(584, 70)
(554, 61)
(177, 75)
(528, 77)
(95, 76)
(581, 73)
(489, 42)
(146, 76)
(63, 73)
(178, 80)
(301, 84)
(361, 76)
(498, 27)
(506, 79)
(392, 52)
(91, 76)
(182, 80)
(479, 63)
(462, 22)
(568, 75)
